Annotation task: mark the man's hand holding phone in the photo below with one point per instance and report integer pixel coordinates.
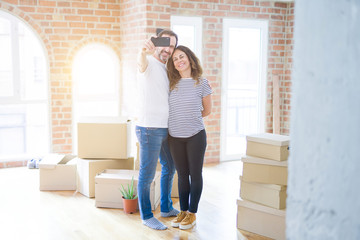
(148, 47)
(150, 44)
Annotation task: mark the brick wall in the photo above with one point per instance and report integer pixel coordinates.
(280, 17)
(286, 81)
(65, 26)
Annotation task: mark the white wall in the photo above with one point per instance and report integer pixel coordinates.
(324, 165)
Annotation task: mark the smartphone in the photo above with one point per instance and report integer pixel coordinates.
(161, 41)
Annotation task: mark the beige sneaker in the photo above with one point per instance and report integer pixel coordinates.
(188, 222)
(176, 221)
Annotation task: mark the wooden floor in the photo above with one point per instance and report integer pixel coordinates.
(27, 213)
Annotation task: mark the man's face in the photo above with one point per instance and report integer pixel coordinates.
(165, 52)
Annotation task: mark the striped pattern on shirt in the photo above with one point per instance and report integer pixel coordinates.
(185, 103)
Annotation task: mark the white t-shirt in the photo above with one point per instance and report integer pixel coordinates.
(153, 86)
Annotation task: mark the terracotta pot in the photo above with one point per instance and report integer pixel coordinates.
(130, 205)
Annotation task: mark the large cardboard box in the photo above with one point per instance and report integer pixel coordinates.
(261, 220)
(270, 195)
(175, 187)
(58, 172)
(108, 183)
(261, 170)
(104, 138)
(88, 168)
(267, 145)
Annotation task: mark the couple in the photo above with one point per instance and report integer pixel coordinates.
(174, 100)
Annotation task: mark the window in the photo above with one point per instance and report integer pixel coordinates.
(24, 115)
(244, 80)
(96, 84)
(189, 30)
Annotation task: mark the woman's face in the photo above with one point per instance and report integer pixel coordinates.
(181, 61)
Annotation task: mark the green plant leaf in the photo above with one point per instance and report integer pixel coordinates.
(125, 193)
(129, 192)
(122, 192)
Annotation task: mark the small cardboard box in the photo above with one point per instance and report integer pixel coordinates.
(88, 168)
(267, 145)
(58, 172)
(270, 195)
(261, 220)
(108, 183)
(104, 138)
(261, 170)
(175, 187)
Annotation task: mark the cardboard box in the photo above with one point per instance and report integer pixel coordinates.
(270, 195)
(175, 187)
(261, 220)
(261, 170)
(267, 145)
(104, 138)
(108, 183)
(58, 172)
(88, 168)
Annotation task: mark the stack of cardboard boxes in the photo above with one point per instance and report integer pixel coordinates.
(261, 209)
(103, 145)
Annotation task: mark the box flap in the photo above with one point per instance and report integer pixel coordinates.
(248, 159)
(113, 175)
(67, 159)
(51, 160)
(264, 185)
(117, 175)
(72, 161)
(261, 208)
(269, 138)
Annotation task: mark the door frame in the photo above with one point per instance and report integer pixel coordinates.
(242, 23)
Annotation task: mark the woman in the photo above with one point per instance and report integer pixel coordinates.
(189, 102)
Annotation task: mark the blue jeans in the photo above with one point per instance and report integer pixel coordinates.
(154, 143)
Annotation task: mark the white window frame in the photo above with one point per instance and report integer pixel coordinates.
(15, 61)
(195, 22)
(242, 23)
(17, 88)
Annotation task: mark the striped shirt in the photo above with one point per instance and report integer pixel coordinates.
(185, 103)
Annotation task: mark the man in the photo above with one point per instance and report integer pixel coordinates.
(152, 129)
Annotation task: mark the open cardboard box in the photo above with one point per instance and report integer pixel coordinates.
(58, 172)
(87, 169)
(108, 183)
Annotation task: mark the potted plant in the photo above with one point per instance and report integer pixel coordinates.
(129, 198)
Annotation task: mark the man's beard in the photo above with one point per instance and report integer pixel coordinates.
(162, 58)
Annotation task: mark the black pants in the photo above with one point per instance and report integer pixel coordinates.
(188, 155)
